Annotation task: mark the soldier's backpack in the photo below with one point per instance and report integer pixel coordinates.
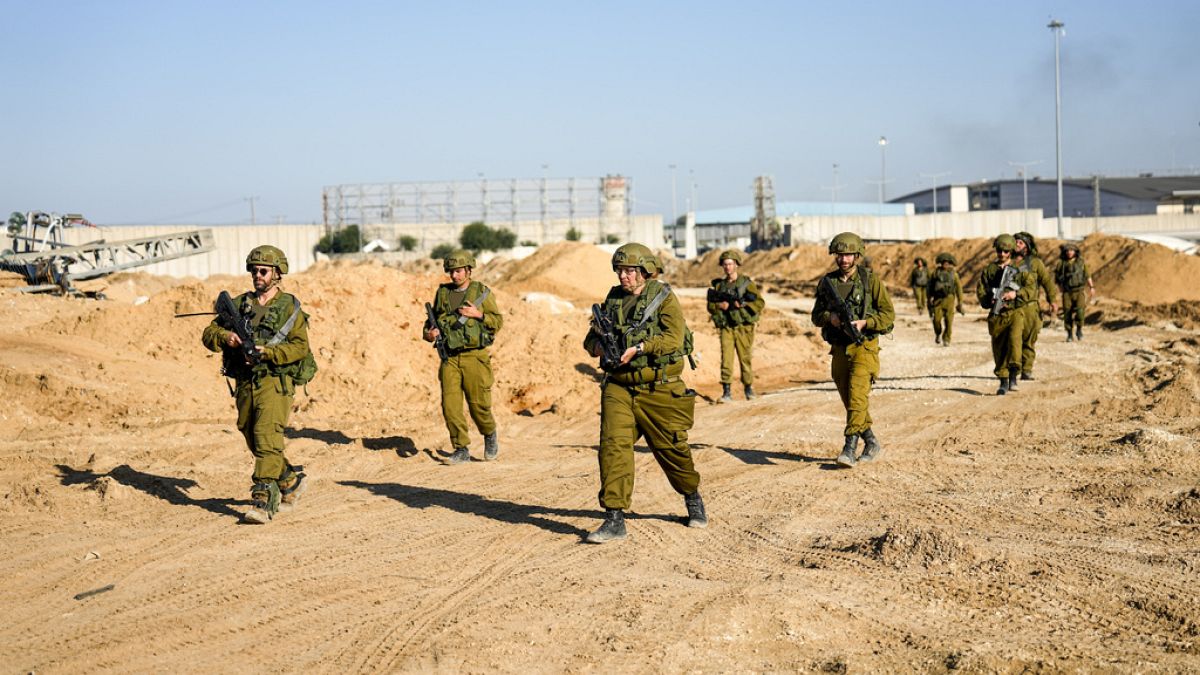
(303, 371)
(943, 284)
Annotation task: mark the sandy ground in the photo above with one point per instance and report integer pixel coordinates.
(1057, 528)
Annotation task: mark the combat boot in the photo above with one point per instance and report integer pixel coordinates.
(288, 496)
(265, 503)
(1012, 381)
(695, 508)
(847, 459)
(1070, 338)
(1027, 376)
(726, 396)
(491, 447)
(750, 395)
(1078, 333)
(937, 339)
(460, 456)
(871, 448)
(611, 529)
(1003, 387)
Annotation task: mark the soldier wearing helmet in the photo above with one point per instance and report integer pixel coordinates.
(265, 389)
(945, 296)
(1030, 262)
(642, 393)
(1072, 276)
(468, 318)
(918, 280)
(853, 303)
(735, 305)
(1004, 289)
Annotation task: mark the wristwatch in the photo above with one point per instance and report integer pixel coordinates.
(641, 348)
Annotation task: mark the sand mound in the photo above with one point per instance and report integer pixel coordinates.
(903, 546)
(580, 273)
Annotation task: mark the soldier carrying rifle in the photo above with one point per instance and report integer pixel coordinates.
(1004, 290)
(735, 305)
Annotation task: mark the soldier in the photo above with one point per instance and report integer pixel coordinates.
(918, 279)
(468, 317)
(1033, 264)
(643, 393)
(1004, 289)
(735, 305)
(1072, 275)
(855, 363)
(945, 296)
(265, 389)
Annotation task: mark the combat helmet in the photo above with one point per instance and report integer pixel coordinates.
(730, 254)
(1004, 242)
(921, 260)
(945, 257)
(1030, 244)
(847, 242)
(267, 256)
(457, 259)
(636, 255)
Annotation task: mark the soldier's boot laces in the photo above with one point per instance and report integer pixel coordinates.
(611, 529)
(871, 448)
(1012, 381)
(460, 456)
(288, 496)
(491, 446)
(847, 459)
(750, 395)
(265, 503)
(695, 509)
(1003, 387)
(726, 395)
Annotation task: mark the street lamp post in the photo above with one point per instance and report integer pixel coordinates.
(883, 141)
(674, 211)
(934, 177)
(1057, 27)
(1024, 171)
(833, 192)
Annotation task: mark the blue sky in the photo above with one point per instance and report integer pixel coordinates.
(140, 112)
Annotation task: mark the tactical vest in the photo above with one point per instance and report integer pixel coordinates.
(463, 333)
(861, 303)
(920, 277)
(272, 329)
(1071, 275)
(1026, 267)
(731, 317)
(943, 284)
(641, 324)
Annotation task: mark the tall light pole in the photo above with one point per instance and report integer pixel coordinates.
(674, 211)
(1057, 27)
(1024, 171)
(934, 177)
(833, 192)
(882, 165)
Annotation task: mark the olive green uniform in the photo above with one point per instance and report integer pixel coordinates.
(945, 294)
(646, 397)
(1071, 276)
(736, 326)
(855, 367)
(264, 392)
(1033, 312)
(1006, 326)
(468, 371)
(919, 280)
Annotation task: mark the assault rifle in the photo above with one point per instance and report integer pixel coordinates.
(439, 342)
(229, 318)
(839, 306)
(611, 341)
(1008, 282)
(732, 298)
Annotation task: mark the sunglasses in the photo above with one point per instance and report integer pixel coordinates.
(262, 271)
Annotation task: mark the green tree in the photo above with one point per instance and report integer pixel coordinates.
(572, 234)
(344, 240)
(479, 237)
(440, 251)
(408, 242)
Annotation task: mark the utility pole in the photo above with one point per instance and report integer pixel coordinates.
(934, 177)
(674, 210)
(1058, 29)
(833, 191)
(251, 200)
(1024, 172)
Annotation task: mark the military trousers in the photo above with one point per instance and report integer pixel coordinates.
(1006, 329)
(941, 310)
(663, 414)
(1029, 337)
(854, 369)
(263, 408)
(739, 339)
(1074, 302)
(467, 374)
(919, 294)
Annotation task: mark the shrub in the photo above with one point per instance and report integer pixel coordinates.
(408, 243)
(572, 234)
(479, 237)
(440, 251)
(344, 240)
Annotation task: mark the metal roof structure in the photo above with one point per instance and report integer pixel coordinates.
(744, 214)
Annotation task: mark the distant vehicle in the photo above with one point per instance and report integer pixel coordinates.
(48, 264)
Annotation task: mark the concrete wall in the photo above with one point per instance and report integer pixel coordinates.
(646, 229)
(233, 244)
